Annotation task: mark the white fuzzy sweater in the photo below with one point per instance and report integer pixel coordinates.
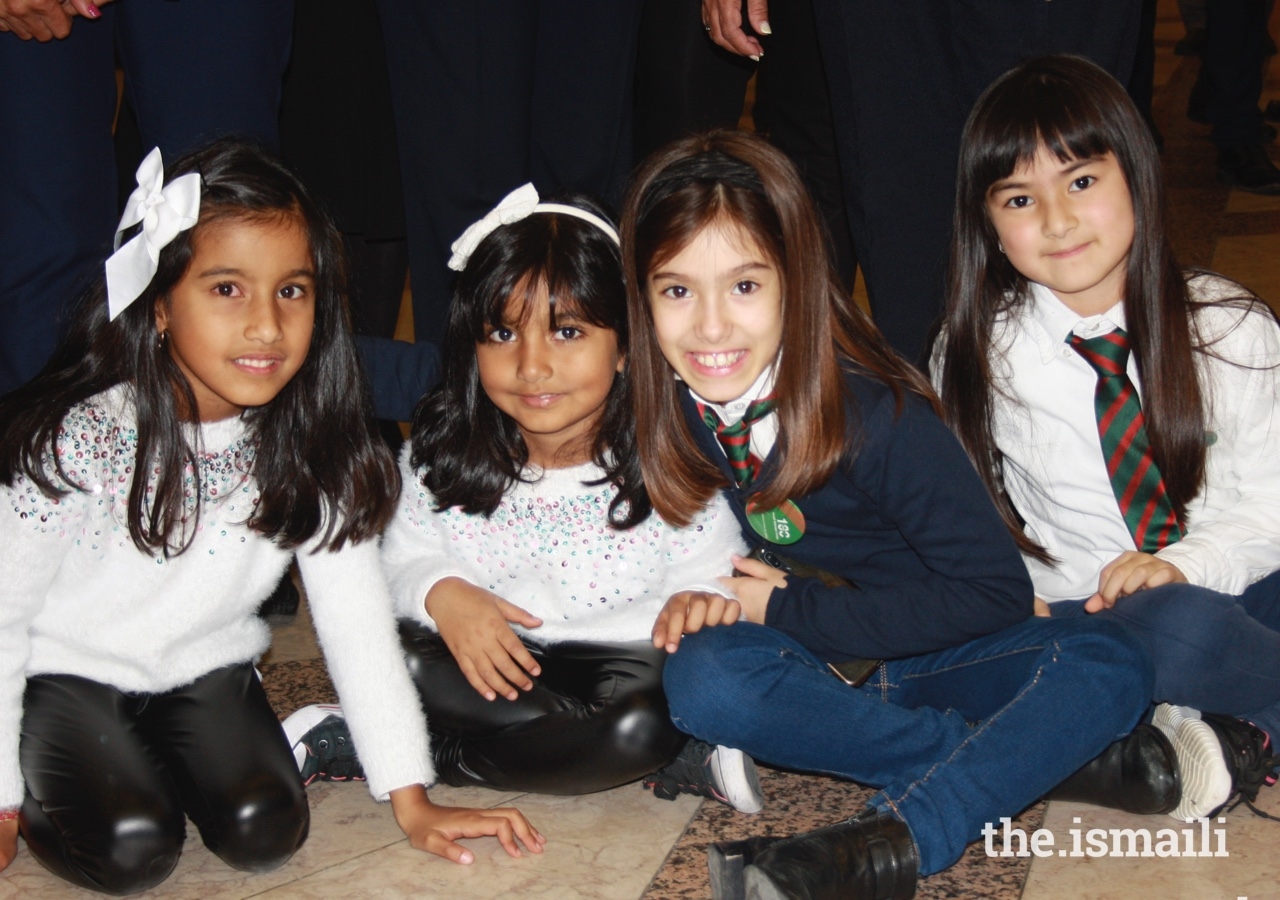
(78, 598)
(549, 548)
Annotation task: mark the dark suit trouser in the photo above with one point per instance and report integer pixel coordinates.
(194, 70)
(489, 95)
(903, 77)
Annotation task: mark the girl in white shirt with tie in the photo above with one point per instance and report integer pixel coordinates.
(1122, 412)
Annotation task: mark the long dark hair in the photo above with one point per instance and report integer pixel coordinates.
(317, 463)
(469, 451)
(1077, 111)
(741, 180)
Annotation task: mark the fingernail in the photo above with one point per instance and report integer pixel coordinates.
(755, 57)
(466, 859)
(765, 29)
(94, 12)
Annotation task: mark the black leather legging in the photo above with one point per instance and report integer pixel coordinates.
(596, 717)
(109, 776)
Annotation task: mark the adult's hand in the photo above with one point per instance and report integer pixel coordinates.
(44, 20)
(723, 20)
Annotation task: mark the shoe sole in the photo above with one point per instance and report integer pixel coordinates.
(725, 870)
(759, 886)
(737, 779)
(302, 721)
(1206, 780)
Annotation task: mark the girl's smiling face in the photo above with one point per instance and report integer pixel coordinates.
(553, 381)
(717, 311)
(238, 324)
(1067, 225)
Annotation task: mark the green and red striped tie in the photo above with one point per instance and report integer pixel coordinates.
(1122, 429)
(736, 438)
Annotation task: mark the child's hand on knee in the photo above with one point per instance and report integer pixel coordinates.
(475, 626)
(436, 829)
(1128, 573)
(8, 842)
(690, 611)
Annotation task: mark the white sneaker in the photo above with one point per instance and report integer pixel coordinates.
(736, 777)
(1206, 780)
(721, 773)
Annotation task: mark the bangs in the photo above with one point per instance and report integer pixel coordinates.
(708, 190)
(1054, 103)
(569, 262)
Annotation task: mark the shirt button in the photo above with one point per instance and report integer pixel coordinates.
(1066, 352)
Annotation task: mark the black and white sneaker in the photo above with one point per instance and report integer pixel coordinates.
(1206, 780)
(1250, 759)
(720, 773)
(322, 745)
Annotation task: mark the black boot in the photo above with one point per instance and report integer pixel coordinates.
(869, 857)
(1138, 773)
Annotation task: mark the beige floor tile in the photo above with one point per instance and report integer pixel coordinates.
(605, 845)
(1254, 261)
(1244, 202)
(1250, 870)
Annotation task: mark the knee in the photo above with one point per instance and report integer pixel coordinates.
(260, 828)
(638, 734)
(142, 854)
(133, 851)
(1180, 619)
(1115, 660)
(718, 672)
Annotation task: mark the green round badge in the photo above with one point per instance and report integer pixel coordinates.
(781, 525)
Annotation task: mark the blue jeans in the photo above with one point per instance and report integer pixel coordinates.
(1211, 651)
(955, 738)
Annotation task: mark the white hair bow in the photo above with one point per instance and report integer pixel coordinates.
(519, 204)
(164, 210)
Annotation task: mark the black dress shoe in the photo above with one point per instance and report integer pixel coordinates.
(1249, 168)
(868, 857)
(1138, 773)
(726, 862)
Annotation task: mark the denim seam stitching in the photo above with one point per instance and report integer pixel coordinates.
(982, 727)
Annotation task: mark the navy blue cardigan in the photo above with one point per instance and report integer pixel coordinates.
(906, 520)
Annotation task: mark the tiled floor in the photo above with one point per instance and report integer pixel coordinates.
(612, 845)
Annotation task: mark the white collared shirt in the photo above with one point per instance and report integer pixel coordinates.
(1046, 428)
(764, 433)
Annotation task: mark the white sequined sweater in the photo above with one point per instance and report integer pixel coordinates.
(78, 598)
(549, 548)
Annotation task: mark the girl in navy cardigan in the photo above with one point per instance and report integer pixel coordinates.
(756, 376)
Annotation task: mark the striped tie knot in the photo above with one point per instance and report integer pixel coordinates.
(1122, 430)
(736, 438)
(1108, 354)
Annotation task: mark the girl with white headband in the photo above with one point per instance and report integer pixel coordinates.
(524, 556)
(202, 423)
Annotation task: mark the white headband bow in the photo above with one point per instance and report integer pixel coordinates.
(519, 204)
(164, 210)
